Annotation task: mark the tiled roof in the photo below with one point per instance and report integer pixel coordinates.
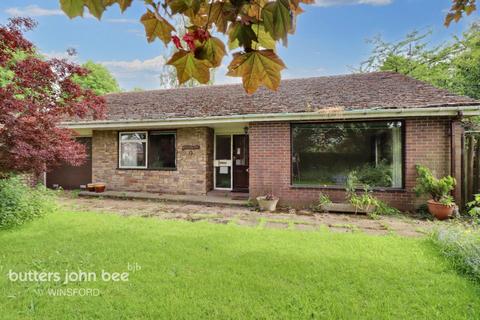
(378, 90)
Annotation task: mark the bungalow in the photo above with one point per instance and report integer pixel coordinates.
(297, 142)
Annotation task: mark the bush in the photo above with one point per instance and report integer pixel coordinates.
(438, 189)
(461, 245)
(20, 203)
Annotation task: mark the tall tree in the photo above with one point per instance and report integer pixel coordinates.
(454, 66)
(98, 79)
(36, 95)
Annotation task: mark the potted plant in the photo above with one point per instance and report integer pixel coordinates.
(99, 187)
(268, 202)
(440, 204)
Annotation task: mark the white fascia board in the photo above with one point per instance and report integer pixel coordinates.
(275, 117)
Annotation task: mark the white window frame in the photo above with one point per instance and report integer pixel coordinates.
(120, 149)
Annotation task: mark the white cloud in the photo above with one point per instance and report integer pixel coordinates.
(137, 73)
(33, 11)
(331, 3)
(121, 20)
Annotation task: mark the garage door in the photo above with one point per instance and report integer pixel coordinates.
(69, 177)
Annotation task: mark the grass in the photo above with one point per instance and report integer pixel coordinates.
(203, 270)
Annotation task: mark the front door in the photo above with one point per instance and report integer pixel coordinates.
(240, 163)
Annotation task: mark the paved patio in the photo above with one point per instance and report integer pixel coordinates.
(247, 217)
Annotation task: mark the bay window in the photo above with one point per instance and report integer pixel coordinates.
(147, 150)
(323, 154)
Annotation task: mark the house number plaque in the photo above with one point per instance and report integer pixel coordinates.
(191, 147)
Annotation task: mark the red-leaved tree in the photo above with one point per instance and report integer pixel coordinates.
(36, 95)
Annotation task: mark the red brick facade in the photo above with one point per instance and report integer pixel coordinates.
(427, 141)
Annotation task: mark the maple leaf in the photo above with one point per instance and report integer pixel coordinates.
(277, 19)
(157, 27)
(213, 50)
(258, 67)
(123, 4)
(264, 39)
(221, 13)
(188, 66)
(73, 8)
(242, 33)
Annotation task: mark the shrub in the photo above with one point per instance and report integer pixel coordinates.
(20, 203)
(461, 245)
(473, 207)
(438, 189)
(323, 200)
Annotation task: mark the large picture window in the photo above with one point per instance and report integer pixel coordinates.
(324, 154)
(142, 150)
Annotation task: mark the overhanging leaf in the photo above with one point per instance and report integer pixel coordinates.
(123, 4)
(257, 68)
(181, 6)
(72, 8)
(264, 38)
(95, 7)
(221, 13)
(157, 27)
(188, 67)
(213, 50)
(277, 18)
(242, 33)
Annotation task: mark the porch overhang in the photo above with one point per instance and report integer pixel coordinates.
(324, 114)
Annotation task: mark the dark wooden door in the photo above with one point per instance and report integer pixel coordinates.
(69, 177)
(240, 163)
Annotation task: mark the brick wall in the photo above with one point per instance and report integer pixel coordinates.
(194, 167)
(427, 142)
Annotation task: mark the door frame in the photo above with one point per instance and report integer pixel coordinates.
(214, 159)
(247, 160)
(226, 132)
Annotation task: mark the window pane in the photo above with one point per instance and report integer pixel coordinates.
(133, 136)
(132, 154)
(223, 148)
(223, 177)
(324, 154)
(161, 152)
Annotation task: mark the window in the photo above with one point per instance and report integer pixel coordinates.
(142, 150)
(133, 149)
(161, 150)
(325, 153)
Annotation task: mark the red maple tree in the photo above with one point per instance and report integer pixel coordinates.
(36, 94)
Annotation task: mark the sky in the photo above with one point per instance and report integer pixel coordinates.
(330, 37)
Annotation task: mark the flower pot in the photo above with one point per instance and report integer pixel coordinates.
(438, 210)
(90, 187)
(99, 187)
(267, 205)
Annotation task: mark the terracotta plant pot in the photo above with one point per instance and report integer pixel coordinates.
(267, 205)
(90, 187)
(438, 210)
(99, 187)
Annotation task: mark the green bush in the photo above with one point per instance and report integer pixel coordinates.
(438, 189)
(20, 203)
(461, 245)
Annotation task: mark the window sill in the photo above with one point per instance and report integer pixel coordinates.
(147, 169)
(326, 187)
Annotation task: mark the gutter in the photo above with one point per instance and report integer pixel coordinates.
(275, 117)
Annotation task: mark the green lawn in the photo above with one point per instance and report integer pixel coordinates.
(201, 270)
